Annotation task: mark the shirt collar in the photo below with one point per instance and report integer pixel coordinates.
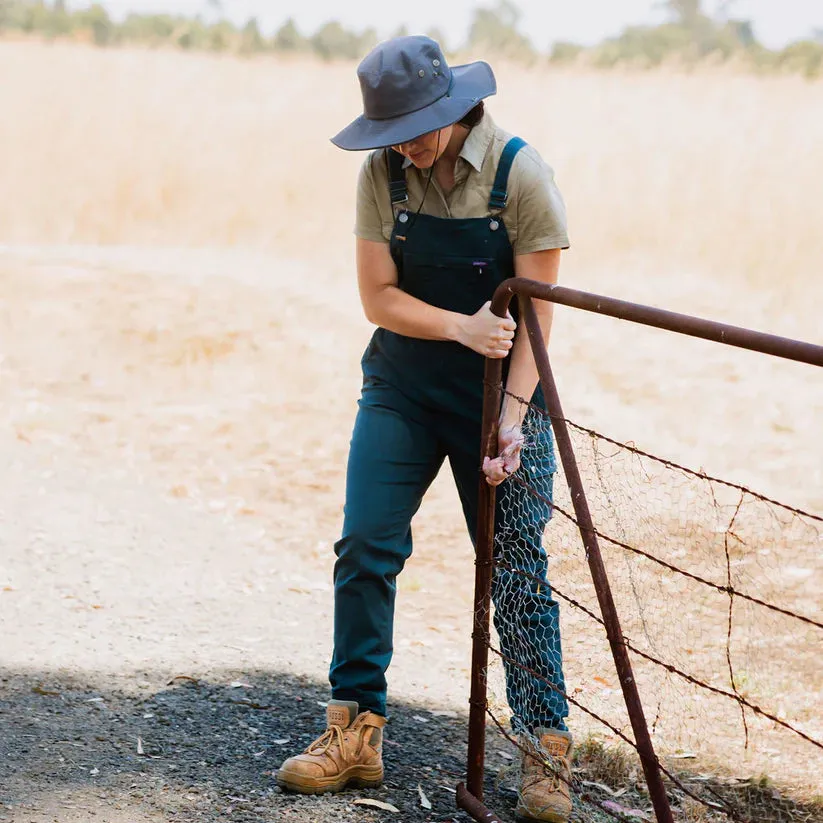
(476, 144)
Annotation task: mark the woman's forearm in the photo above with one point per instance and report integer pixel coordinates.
(544, 267)
(391, 308)
(523, 376)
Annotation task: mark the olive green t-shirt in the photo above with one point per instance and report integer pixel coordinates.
(534, 216)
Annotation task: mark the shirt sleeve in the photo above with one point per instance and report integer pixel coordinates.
(368, 223)
(540, 210)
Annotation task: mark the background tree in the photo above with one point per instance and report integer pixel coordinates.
(744, 32)
(495, 30)
(251, 40)
(437, 34)
(57, 21)
(686, 13)
(565, 52)
(368, 40)
(288, 38)
(688, 35)
(96, 20)
(804, 57)
(193, 35)
(154, 29)
(221, 36)
(332, 41)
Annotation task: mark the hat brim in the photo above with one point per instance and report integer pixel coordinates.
(470, 84)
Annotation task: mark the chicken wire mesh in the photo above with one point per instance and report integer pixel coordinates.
(717, 589)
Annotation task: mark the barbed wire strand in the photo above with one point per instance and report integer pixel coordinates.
(669, 667)
(662, 461)
(670, 566)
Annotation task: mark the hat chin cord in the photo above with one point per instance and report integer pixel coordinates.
(428, 183)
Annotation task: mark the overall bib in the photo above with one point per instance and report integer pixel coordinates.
(421, 403)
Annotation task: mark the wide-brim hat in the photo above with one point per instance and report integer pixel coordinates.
(409, 90)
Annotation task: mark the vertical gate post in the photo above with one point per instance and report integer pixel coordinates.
(484, 554)
(645, 748)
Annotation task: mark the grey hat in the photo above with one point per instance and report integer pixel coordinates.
(408, 90)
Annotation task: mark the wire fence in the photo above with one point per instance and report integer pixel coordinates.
(718, 592)
(688, 661)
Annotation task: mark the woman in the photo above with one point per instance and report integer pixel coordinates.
(448, 206)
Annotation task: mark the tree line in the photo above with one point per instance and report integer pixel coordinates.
(689, 36)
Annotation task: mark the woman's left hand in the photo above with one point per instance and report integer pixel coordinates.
(509, 444)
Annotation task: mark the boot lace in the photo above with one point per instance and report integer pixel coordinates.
(334, 734)
(555, 771)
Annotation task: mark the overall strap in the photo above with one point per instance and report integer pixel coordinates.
(397, 178)
(499, 194)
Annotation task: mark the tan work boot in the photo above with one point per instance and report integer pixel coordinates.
(349, 752)
(546, 777)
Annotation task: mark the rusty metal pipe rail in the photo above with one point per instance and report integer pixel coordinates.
(742, 338)
(469, 803)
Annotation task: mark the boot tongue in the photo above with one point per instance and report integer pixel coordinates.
(341, 713)
(556, 744)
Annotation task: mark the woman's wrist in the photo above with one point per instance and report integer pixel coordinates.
(454, 327)
(511, 414)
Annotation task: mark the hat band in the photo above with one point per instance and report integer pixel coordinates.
(419, 108)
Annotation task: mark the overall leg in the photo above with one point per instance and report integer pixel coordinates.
(526, 615)
(393, 459)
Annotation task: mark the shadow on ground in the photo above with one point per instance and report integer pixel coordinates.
(154, 749)
(202, 750)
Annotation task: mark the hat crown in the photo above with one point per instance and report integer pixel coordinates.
(402, 75)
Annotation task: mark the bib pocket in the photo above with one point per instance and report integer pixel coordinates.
(459, 284)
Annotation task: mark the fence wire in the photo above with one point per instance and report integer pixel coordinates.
(718, 592)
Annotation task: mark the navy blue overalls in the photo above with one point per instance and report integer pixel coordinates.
(421, 403)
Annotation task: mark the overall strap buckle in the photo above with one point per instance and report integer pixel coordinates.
(398, 191)
(499, 193)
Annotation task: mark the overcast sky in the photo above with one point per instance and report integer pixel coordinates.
(586, 21)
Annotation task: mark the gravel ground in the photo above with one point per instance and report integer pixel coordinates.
(200, 750)
(205, 749)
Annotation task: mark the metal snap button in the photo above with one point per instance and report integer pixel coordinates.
(436, 63)
(421, 73)
(494, 225)
(403, 218)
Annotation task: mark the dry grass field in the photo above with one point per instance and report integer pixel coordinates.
(693, 192)
(180, 334)
(666, 176)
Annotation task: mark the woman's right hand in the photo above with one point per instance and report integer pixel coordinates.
(486, 333)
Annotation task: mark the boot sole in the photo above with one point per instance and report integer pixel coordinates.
(361, 777)
(547, 816)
